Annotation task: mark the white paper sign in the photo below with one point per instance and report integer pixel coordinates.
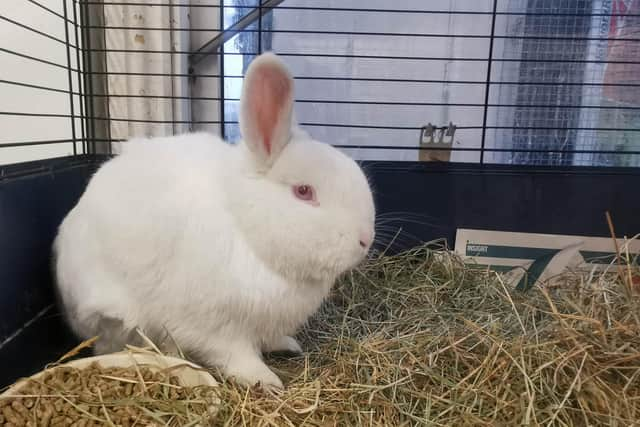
(529, 257)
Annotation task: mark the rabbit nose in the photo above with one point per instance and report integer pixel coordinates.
(365, 240)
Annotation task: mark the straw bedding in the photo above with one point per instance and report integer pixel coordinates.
(420, 338)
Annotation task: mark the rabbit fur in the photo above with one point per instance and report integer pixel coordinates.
(217, 245)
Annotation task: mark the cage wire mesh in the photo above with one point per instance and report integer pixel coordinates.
(41, 111)
(528, 82)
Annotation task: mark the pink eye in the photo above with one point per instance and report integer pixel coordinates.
(304, 192)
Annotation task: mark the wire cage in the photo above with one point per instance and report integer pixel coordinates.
(493, 81)
(516, 115)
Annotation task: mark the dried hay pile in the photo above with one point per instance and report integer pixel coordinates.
(421, 339)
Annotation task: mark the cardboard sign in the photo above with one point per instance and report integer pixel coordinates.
(528, 258)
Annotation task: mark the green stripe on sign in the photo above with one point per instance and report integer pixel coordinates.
(497, 251)
(496, 268)
(594, 257)
(535, 271)
(598, 257)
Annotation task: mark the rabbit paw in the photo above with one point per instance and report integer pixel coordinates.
(249, 370)
(256, 373)
(284, 344)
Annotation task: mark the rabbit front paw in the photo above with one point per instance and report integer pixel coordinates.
(250, 373)
(248, 369)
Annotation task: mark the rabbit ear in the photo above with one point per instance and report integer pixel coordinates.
(265, 108)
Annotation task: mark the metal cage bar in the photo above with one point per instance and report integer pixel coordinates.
(90, 95)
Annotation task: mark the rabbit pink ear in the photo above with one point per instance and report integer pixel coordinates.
(265, 107)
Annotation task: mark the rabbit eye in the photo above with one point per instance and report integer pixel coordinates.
(304, 192)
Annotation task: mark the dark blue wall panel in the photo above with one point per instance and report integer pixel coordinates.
(34, 198)
(432, 200)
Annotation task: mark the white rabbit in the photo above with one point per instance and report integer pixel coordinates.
(228, 248)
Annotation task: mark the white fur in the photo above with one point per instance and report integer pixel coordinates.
(206, 241)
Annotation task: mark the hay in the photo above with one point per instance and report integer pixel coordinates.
(422, 339)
